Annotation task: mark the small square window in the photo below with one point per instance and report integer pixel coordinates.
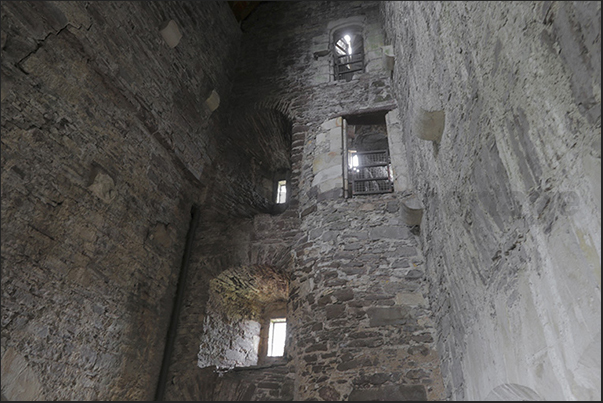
(276, 337)
(281, 192)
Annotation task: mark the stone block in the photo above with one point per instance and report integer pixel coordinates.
(414, 274)
(379, 316)
(102, 185)
(329, 393)
(334, 139)
(389, 233)
(343, 295)
(335, 311)
(428, 125)
(353, 364)
(170, 33)
(162, 234)
(331, 123)
(412, 211)
(334, 185)
(326, 160)
(410, 299)
(328, 174)
(213, 101)
(317, 347)
(366, 343)
(19, 381)
(388, 58)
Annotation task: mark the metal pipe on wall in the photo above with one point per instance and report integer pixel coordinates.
(178, 300)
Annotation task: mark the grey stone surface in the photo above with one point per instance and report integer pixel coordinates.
(107, 140)
(514, 276)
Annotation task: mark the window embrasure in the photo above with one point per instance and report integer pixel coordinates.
(348, 52)
(366, 155)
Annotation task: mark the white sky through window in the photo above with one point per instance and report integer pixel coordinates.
(348, 39)
(276, 337)
(281, 192)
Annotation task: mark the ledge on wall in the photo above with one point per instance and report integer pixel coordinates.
(388, 58)
(412, 210)
(170, 33)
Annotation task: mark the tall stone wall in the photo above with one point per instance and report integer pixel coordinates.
(106, 144)
(359, 323)
(511, 230)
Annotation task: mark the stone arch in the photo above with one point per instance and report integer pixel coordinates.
(512, 392)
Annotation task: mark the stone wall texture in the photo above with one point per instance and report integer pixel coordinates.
(493, 122)
(106, 144)
(359, 323)
(512, 192)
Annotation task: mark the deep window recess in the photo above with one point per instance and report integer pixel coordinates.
(348, 53)
(276, 337)
(367, 157)
(281, 192)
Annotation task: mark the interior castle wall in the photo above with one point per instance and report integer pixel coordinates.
(512, 192)
(106, 144)
(359, 322)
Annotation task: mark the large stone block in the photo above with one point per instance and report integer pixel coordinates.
(102, 185)
(389, 233)
(397, 315)
(324, 161)
(19, 381)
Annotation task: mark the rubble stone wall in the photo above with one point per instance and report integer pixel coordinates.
(106, 144)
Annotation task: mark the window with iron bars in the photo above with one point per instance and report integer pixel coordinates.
(348, 54)
(370, 172)
(367, 166)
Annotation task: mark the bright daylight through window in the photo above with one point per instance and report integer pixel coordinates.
(276, 337)
(281, 192)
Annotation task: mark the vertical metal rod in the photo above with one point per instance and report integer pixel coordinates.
(344, 140)
(178, 300)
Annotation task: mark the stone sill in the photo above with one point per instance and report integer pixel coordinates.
(269, 363)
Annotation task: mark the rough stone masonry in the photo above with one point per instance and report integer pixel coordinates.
(490, 292)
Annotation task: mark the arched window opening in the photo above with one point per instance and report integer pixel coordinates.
(348, 52)
(245, 318)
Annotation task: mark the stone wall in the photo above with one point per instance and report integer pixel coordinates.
(107, 141)
(512, 192)
(358, 321)
(262, 383)
(106, 144)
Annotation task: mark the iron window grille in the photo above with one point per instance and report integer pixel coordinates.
(370, 173)
(348, 56)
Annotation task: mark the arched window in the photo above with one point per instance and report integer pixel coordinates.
(348, 52)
